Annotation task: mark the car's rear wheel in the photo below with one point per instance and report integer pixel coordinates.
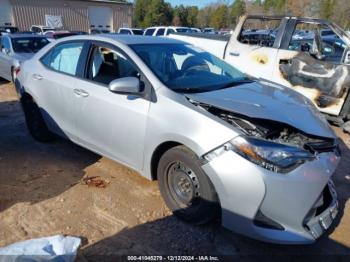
(185, 187)
(35, 121)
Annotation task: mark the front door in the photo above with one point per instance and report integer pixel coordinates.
(312, 61)
(109, 123)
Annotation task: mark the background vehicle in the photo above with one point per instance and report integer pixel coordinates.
(130, 31)
(195, 30)
(41, 29)
(209, 30)
(100, 31)
(308, 55)
(54, 35)
(15, 49)
(130, 97)
(8, 30)
(165, 30)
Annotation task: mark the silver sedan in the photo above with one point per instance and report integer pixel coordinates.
(16, 48)
(255, 154)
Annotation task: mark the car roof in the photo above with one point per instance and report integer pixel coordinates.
(24, 35)
(127, 39)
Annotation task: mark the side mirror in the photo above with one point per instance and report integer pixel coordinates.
(126, 86)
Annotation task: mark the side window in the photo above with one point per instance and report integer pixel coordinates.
(319, 40)
(261, 32)
(149, 32)
(107, 65)
(160, 32)
(64, 58)
(170, 31)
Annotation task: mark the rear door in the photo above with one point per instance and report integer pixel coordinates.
(54, 83)
(311, 60)
(254, 46)
(109, 123)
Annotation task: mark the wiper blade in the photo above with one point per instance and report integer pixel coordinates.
(189, 89)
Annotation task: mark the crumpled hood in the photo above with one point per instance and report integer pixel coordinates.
(23, 56)
(269, 101)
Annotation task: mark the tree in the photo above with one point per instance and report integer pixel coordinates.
(238, 8)
(220, 17)
(180, 15)
(327, 8)
(158, 13)
(192, 15)
(140, 11)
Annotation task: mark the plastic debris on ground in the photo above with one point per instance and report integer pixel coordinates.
(54, 249)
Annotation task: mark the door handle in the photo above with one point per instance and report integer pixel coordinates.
(37, 77)
(234, 54)
(81, 92)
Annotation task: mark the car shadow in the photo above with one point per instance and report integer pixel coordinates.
(31, 171)
(170, 236)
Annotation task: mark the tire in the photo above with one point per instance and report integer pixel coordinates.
(185, 187)
(35, 122)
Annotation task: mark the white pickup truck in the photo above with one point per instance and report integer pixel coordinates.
(309, 55)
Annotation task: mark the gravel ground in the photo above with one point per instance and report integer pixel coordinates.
(42, 194)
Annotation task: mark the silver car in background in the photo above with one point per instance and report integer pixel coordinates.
(16, 48)
(255, 154)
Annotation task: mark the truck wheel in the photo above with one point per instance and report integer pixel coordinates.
(185, 187)
(35, 122)
(346, 127)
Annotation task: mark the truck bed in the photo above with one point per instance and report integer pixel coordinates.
(214, 44)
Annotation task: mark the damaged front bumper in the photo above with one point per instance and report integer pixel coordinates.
(292, 208)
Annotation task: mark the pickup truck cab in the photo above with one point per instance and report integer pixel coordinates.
(308, 55)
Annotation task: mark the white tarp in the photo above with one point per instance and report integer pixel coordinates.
(54, 21)
(54, 249)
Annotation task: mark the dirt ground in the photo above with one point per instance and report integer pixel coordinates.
(41, 194)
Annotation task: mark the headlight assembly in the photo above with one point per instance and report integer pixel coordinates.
(275, 157)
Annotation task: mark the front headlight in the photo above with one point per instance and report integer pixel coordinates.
(272, 156)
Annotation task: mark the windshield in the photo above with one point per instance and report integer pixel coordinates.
(185, 68)
(28, 45)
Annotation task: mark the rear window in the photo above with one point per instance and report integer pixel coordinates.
(28, 45)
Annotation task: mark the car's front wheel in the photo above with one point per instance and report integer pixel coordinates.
(35, 121)
(185, 187)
